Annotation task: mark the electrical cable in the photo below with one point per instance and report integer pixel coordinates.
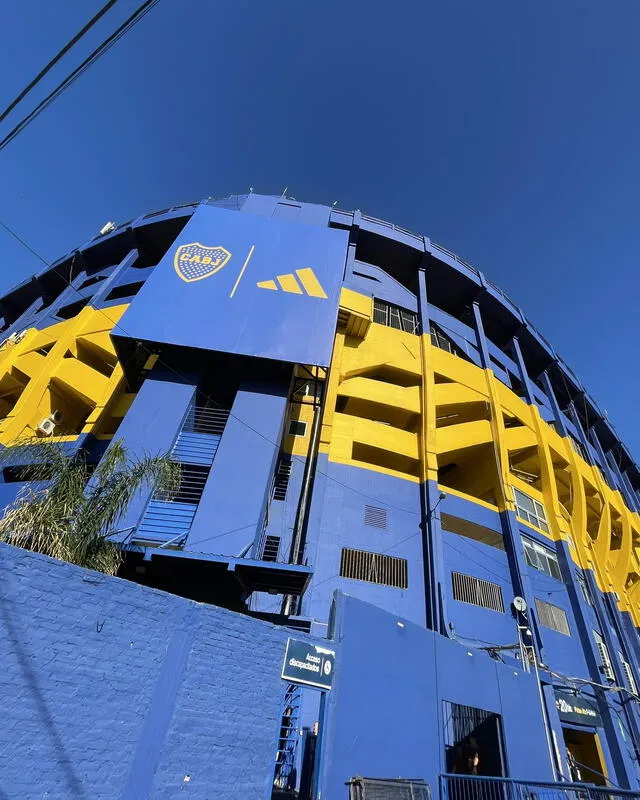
(49, 66)
(102, 48)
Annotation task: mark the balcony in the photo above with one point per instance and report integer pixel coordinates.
(475, 787)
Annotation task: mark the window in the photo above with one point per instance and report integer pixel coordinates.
(271, 548)
(395, 317)
(92, 281)
(360, 565)
(126, 290)
(541, 558)
(606, 667)
(584, 588)
(477, 592)
(553, 617)
(375, 517)
(471, 530)
(628, 674)
(297, 428)
(580, 449)
(531, 510)
(69, 311)
(281, 480)
(441, 340)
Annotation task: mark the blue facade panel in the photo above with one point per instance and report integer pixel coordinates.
(338, 521)
(368, 699)
(150, 428)
(247, 267)
(234, 499)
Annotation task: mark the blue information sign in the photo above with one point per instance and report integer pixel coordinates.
(239, 283)
(308, 663)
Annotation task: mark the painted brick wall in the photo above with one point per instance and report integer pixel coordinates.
(113, 690)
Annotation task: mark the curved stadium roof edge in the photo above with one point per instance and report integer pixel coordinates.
(471, 284)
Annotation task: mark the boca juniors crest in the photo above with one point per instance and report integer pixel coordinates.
(196, 261)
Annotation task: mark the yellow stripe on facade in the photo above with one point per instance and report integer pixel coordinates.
(468, 418)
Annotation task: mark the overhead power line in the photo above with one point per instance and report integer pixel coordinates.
(102, 48)
(57, 58)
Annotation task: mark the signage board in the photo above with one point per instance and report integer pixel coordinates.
(577, 710)
(308, 663)
(239, 283)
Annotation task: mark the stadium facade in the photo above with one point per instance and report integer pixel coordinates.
(363, 421)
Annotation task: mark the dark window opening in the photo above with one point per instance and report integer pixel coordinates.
(395, 317)
(193, 478)
(473, 741)
(297, 428)
(271, 548)
(70, 310)
(92, 281)
(471, 530)
(368, 277)
(126, 290)
(579, 447)
(281, 480)
(28, 472)
(440, 339)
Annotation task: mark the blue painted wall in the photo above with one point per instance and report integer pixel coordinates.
(114, 690)
(151, 427)
(384, 716)
(341, 493)
(233, 503)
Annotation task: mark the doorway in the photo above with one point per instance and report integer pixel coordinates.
(473, 741)
(584, 756)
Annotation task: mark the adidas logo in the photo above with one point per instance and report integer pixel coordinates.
(305, 283)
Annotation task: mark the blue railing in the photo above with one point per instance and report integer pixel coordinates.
(475, 787)
(285, 771)
(167, 519)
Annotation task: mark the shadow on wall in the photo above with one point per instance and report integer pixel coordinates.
(12, 629)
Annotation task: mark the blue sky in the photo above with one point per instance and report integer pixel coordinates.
(506, 131)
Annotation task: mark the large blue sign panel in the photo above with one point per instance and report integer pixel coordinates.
(239, 283)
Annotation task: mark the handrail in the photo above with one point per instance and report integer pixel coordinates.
(454, 786)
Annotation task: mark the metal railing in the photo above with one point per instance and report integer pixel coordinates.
(475, 787)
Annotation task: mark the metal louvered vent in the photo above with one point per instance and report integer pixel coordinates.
(375, 517)
(606, 667)
(360, 565)
(553, 617)
(628, 673)
(388, 789)
(477, 592)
